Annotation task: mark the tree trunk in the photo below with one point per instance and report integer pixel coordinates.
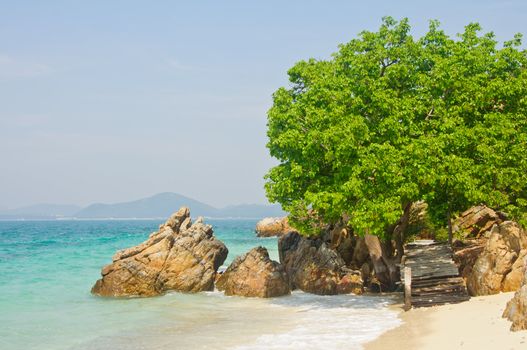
(383, 265)
(449, 220)
(400, 231)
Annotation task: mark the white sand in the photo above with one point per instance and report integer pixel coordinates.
(476, 324)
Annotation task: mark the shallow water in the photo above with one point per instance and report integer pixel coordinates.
(47, 269)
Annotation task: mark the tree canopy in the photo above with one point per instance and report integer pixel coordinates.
(390, 120)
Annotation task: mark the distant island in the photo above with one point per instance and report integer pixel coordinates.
(157, 206)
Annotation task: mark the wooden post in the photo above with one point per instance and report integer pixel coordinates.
(407, 288)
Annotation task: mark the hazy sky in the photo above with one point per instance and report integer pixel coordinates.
(106, 101)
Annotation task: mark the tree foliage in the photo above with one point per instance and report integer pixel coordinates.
(390, 120)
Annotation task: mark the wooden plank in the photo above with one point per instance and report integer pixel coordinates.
(451, 293)
(436, 290)
(454, 279)
(435, 282)
(422, 299)
(434, 277)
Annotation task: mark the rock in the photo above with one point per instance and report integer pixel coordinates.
(474, 222)
(270, 227)
(513, 281)
(351, 248)
(342, 241)
(314, 267)
(465, 255)
(181, 256)
(516, 309)
(490, 273)
(365, 272)
(350, 283)
(361, 255)
(254, 275)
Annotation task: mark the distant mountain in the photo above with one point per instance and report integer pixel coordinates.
(40, 211)
(163, 204)
(158, 206)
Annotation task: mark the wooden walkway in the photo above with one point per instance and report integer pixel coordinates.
(435, 278)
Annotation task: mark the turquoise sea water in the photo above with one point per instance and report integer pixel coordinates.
(47, 269)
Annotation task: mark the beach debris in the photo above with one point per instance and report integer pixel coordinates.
(181, 256)
(314, 267)
(254, 274)
(270, 227)
(499, 267)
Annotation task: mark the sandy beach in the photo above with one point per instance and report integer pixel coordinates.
(476, 324)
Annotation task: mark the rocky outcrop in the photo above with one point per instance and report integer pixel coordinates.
(516, 309)
(356, 255)
(254, 274)
(474, 222)
(343, 241)
(513, 279)
(181, 256)
(350, 282)
(269, 227)
(498, 267)
(314, 267)
(466, 254)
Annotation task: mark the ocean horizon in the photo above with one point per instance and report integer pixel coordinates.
(47, 269)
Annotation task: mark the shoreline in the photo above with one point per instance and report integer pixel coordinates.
(476, 324)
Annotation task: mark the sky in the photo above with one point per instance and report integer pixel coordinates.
(109, 101)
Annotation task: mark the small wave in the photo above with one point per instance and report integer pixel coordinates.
(329, 322)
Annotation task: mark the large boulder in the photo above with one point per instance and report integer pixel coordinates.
(516, 309)
(498, 268)
(254, 274)
(314, 267)
(466, 254)
(476, 221)
(181, 256)
(269, 227)
(513, 280)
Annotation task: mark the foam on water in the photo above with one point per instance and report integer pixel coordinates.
(330, 322)
(48, 268)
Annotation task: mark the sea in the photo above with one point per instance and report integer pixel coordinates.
(47, 269)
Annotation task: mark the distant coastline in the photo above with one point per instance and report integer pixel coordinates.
(121, 219)
(156, 207)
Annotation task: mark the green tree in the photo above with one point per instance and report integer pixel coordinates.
(390, 120)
